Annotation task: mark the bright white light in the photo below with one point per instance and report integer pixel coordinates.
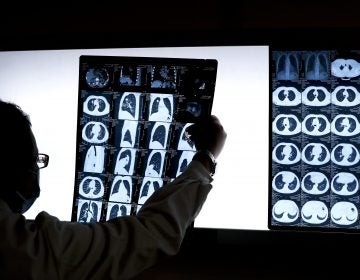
(45, 85)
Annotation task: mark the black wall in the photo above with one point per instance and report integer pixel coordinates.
(103, 24)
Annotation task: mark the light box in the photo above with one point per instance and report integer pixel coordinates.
(45, 85)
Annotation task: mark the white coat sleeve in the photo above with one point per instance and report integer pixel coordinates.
(47, 248)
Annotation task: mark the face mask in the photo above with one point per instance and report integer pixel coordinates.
(28, 202)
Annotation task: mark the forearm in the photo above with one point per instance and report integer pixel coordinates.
(175, 206)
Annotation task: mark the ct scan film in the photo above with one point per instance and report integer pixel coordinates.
(131, 140)
(315, 129)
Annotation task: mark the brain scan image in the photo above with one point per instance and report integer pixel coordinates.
(129, 134)
(91, 187)
(117, 209)
(94, 159)
(285, 182)
(97, 77)
(121, 189)
(285, 211)
(185, 159)
(286, 153)
(129, 107)
(314, 212)
(316, 66)
(315, 183)
(88, 211)
(344, 213)
(345, 68)
(315, 154)
(96, 106)
(316, 96)
(155, 163)
(316, 125)
(345, 96)
(345, 154)
(285, 124)
(125, 162)
(161, 107)
(287, 66)
(95, 132)
(184, 142)
(344, 183)
(345, 125)
(286, 96)
(163, 77)
(159, 135)
(148, 187)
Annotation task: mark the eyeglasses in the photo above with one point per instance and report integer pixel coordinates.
(42, 160)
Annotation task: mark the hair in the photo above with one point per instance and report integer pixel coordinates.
(16, 144)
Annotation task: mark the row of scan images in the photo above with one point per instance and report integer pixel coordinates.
(89, 211)
(152, 163)
(343, 154)
(196, 79)
(152, 135)
(163, 76)
(345, 125)
(130, 106)
(124, 189)
(316, 183)
(318, 65)
(315, 212)
(344, 96)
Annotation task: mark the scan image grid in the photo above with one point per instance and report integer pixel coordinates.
(315, 139)
(132, 120)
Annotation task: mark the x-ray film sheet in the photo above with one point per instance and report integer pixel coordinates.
(315, 144)
(132, 117)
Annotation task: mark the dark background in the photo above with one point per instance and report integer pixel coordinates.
(209, 254)
(103, 24)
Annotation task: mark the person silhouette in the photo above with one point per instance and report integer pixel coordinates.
(122, 247)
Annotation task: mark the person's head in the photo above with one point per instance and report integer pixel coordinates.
(19, 172)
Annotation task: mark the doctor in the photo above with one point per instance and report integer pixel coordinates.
(47, 248)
